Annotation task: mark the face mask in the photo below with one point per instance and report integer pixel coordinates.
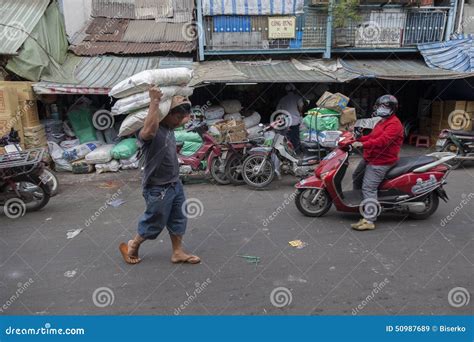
(383, 111)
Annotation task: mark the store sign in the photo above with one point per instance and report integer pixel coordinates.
(281, 27)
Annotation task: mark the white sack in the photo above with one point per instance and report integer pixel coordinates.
(56, 153)
(100, 155)
(231, 106)
(134, 102)
(214, 112)
(233, 116)
(143, 80)
(134, 121)
(252, 120)
(80, 151)
(112, 166)
(254, 132)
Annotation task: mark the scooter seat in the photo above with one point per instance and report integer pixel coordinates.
(408, 164)
(464, 133)
(310, 144)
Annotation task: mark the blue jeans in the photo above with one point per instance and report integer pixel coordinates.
(164, 208)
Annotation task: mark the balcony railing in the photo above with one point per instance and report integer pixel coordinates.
(391, 28)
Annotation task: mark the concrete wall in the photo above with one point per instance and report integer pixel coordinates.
(76, 13)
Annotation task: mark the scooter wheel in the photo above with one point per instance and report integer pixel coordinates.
(310, 206)
(431, 202)
(216, 174)
(233, 169)
(264, 177)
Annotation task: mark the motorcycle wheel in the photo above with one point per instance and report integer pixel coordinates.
(304, 198)
(454, 163)
(49, 177)
(432, 202)
(35, 194)
(258, 180)
(217, 174)
(233, 169)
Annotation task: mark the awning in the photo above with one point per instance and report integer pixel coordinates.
(272, 71)
(17, 21)
(97, 75)
(400, 69)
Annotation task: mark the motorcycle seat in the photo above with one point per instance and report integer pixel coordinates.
(408, 164)
(310, 144)
(465, 133)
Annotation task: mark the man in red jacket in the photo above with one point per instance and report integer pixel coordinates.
(381, 150)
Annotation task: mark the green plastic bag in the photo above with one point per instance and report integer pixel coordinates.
(80, 117)
(322, 119)
(124, 149)
(183, 136)
(189, 148)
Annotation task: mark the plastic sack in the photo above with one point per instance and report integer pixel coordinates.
(233, 116)
(80, 117)
(100, 155)
(56, 153)
(213, 122)
(143, 80)
(112, 166)
(131, 163)
(141, 100)
(324, 120)
(189, 148)
(80, 151)
(183, 136)
(231, 106)
(69, 143)
(81, 167)
(214, 113)
(124, 149)
(329, 138)
(134, 121)
(252, 120)
(254, 132)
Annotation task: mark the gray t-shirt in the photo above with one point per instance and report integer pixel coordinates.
(161, 164)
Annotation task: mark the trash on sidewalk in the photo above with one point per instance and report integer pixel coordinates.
(250, 259)
(73, 233)
(298, 244)
(116, 203)
(70, 274)
(109, 185)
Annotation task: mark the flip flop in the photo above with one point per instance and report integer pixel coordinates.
(192, 259)
(123, 248)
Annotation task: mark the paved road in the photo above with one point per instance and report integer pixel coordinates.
(403, 267)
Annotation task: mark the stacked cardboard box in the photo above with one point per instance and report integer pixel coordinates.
(440, 111)
(10, 115)
(232, 130)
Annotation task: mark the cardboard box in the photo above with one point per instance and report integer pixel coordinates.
(348, 116)
(335, 101)
(10, 116)
(26, 102)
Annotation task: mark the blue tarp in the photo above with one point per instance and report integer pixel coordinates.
(456, 54)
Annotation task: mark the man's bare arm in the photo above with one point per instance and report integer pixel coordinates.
(152, 122)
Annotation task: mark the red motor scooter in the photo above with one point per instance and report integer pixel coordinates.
(206, 160)
(413, 186)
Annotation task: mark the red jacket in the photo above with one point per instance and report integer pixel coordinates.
(382, 145)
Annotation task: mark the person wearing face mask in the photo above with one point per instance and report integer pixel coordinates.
(381, 152)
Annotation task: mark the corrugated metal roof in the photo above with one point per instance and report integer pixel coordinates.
(21, 18)
(97, 75)
(148, 31)
(267, 72)
(126, 48)
(400, 69)
(125, 36)
(161, 10)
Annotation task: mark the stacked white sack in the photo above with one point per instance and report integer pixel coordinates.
(138, 101)
(143, 80)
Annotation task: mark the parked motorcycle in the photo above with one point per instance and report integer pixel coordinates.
(461, 143)
(263, 162)
(236, 156)
(209, 159)
(413, 186)
(21, 186)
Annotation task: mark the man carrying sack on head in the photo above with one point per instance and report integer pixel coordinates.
(162, 188)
